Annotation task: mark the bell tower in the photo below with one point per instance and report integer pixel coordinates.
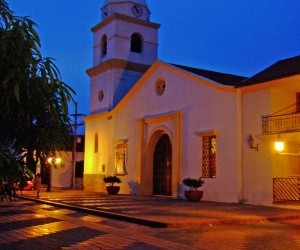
(125, 46)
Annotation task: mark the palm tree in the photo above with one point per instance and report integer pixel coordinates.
(34, 100)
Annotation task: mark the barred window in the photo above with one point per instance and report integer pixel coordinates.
(209, 153)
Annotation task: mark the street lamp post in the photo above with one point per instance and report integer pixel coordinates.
(75, 126)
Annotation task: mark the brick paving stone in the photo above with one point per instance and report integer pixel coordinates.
(79, 230)
(182, 214)
(3, 241)
(7, 237)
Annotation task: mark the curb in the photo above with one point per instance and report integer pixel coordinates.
(144, 222)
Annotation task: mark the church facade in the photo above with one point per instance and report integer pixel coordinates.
(154, 123)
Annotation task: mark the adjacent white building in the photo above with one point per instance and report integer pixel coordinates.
(68, 173)
(155, 123)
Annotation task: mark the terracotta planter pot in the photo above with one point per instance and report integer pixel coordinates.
(193, 195)
(113, 189)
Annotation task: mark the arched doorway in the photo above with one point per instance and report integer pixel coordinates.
(162, 167)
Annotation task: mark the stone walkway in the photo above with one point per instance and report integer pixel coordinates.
(161, 211)
(69, 220)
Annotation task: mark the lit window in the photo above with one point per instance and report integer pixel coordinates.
(209, 155)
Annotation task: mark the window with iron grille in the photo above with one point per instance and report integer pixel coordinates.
(209, 155)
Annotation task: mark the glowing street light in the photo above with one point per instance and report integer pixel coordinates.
(279, 145)
(58, 160)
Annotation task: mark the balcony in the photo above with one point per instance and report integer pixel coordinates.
(289, 122)
(279, 124)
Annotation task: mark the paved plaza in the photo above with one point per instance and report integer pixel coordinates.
(89, 220)
(163, 211)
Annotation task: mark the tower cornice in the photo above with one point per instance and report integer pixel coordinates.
(119, 64)
(125, 18)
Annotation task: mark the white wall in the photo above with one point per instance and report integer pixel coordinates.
(204, 107)
(260, 167)
(61, 176)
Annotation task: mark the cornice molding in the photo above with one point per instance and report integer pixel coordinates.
(125, 18)
(117, 64)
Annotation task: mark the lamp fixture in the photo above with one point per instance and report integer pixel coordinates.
(279, 145)
(251, 143)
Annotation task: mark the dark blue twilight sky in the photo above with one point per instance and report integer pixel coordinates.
(232, 36)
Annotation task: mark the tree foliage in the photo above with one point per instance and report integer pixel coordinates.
(34, 100)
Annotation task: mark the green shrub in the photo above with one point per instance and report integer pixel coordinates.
(193, 183)
(111, 179)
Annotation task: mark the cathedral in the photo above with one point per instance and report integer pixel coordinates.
(154, 123)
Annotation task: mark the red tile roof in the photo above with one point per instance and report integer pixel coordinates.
(222, 78)
(281, 69)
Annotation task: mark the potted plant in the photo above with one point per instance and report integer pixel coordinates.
(193, 194)
(111, 180)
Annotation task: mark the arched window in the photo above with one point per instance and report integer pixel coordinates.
(136, 43)
(104, 46)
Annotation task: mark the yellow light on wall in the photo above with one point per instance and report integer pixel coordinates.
(279, 146)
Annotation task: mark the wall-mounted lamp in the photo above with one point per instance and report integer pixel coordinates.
(251, 143)
(279, 145)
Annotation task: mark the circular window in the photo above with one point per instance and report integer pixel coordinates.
(160, 86)
(100, 95)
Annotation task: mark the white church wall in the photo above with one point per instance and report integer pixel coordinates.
(149, 38)
(98, 159)
(100, 83)
(257, 167)
(204, 108)
(118, 46)
(110, 82)
(188, 108)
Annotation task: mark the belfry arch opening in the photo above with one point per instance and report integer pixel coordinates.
(136, 43)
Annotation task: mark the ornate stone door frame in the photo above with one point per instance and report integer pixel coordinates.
(150, 130)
